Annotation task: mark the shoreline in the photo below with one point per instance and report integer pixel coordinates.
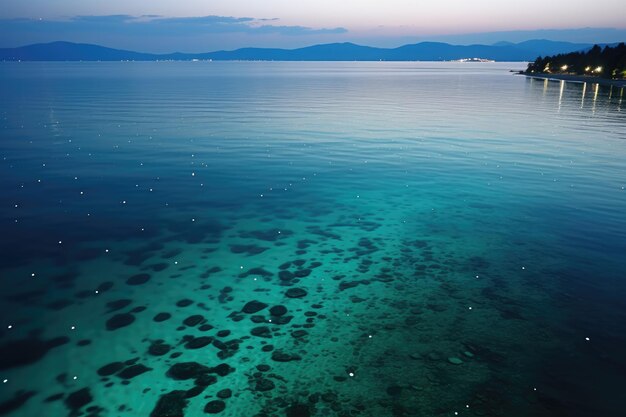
(578, 79)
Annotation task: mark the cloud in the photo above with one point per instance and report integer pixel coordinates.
(150, 25)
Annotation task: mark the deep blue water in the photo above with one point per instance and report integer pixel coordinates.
(459, 233)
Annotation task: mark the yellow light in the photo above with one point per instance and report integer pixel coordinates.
(564, 67)
(598, 69)
(587, 68)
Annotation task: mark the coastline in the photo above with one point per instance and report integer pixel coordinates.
(578, 79)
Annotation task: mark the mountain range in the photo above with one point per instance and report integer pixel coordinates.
(423, 51)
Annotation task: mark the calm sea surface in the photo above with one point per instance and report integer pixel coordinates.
(310, 239)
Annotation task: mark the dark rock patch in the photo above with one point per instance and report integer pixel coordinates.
(138, 279)
(119, 320)
(158, 348)
(250, 250)
(261, 331)
(214, 407)
(225, 393)
(194, 320)
(253, 306)
(110, 369)
(118, 304)
(162, 317)
(26, 351)
(59, 304)
(159, 267)
(171, 404)
(264, 384)
(205, 380)
(184, 303)
(286, 276)
(280, 356)
(302, 273)
(78, 399)
(295, 293)
(278, 311)
(198, 342)
(187, 370)
(222, 369)
(133, 371)
(53, 397)
(298, 410)
(18, 400)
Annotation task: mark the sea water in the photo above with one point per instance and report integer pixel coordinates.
(310, 239)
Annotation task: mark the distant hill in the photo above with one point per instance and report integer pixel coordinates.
(423, 51)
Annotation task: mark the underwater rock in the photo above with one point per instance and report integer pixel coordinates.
(264, 384)
(253, 306)
(162, 317)
(225, 393)
(18, 400)
(184, 302)
(119, 320)
(199, 342)
(285, 276)
(278, 311)
(118, 304)
(194, 392)
(110, 369)
(26, 351)
(159, 348)
(194, 320)
(78, 399)
(222, 369)
(133, 371)
(295, 293)
(280, 356)
(53, 397)
(455, 361)
(205, 380)
(250, 250)
(299, 333)
(261, 331)
(298, 410)
(171, 404)
(187, 370)
(214, 407)
(138, 279)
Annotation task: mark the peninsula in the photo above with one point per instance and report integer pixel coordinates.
(597, 65)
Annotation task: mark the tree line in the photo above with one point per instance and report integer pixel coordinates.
(607, 62)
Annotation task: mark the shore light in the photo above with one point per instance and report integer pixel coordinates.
(587, 69)
(598, 69)
(564, 67)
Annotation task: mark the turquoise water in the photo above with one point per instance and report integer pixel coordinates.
(344, 239)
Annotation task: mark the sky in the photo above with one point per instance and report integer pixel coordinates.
(207, 25)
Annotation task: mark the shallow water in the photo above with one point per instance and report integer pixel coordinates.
(458, 231)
